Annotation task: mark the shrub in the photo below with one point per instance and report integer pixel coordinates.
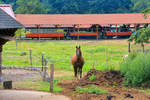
(92, 77)
(136, 69)
(91, 89)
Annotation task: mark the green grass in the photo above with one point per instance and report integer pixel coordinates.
(145, 90)
(92, 77)
(59, 53)
(40, 86)
(92, 89)
(45, 86)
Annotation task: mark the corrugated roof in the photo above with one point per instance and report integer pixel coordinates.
(6, 21)
(8, 9)
(87, 19)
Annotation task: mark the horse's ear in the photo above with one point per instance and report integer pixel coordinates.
(76, 47)
(79, 46)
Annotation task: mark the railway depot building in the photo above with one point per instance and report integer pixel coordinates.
(78, 26)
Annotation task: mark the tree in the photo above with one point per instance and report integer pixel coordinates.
(80, 6)
(140, 5)
(141, 36)
(146, 12)
(21, 32)
(31, 7)
(1, 2)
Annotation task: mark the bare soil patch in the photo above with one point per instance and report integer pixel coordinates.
(110, 80)
(102, 78)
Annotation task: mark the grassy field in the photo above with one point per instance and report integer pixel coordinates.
(106, 54)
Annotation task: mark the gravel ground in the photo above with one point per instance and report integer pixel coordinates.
(29, 95)
(20, 75)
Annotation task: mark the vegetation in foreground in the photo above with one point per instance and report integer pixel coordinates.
(92, 77)
(136, 69)
(92, 89)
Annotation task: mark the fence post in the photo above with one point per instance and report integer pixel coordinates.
(42, 60)
(45, 62)
(44, 76)
(16, 44)
(106, 59)
(51, 77)
(93, 65)
(31, 59)
(129, 47)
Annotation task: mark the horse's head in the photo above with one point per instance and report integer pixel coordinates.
(78, 52)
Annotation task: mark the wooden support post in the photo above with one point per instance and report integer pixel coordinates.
(58, 29)
(116, 28)
(31, 59)
(97, 31)
(51, 77)
(135, 27)
(78, 32)
(1, 63)
(39, 31)
(38, 28)
(42, 61)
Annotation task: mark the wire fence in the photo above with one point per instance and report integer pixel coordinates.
(13, 57)
(29, 59)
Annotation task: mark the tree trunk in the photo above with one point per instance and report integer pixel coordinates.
(142, 47)
(129, 47)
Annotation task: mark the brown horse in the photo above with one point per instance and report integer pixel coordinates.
(78, 62)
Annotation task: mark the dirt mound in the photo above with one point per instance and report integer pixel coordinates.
(102, 78)
(113, 78)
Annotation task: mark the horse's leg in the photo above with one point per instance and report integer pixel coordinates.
(75, 71)
(80, 72)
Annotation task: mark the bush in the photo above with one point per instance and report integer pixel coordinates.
(136, 69)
